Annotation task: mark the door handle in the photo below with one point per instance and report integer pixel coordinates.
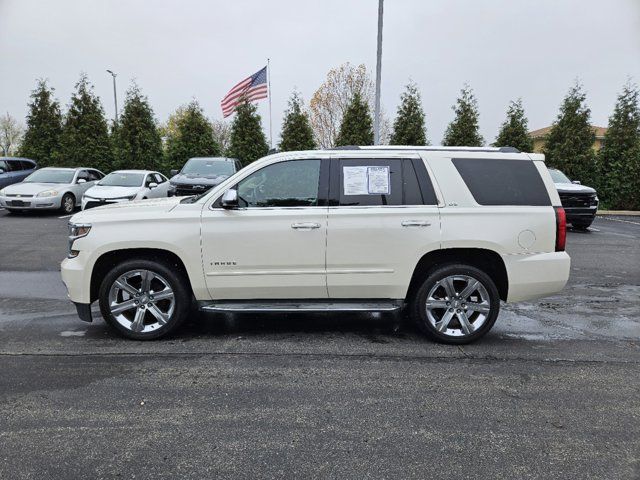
(305, 226)
(415, 223)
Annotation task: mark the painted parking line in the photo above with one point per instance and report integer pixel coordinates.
(623, 221)
(66, 216)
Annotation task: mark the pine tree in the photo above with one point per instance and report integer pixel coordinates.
(190, 136)
(357, 125)
(296, 128)
(85, 136)
(409, 127)
(463, 131)
(569, 145)
(514, 130)
(137, 140)
(619, 158)
(44, 127)
(248, 142)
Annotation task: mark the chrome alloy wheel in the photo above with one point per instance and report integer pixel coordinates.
(68, 204)
(141, 301)
(458, 305)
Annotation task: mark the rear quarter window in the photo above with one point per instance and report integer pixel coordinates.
(503, 182)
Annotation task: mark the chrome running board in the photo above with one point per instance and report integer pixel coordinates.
(303, 306)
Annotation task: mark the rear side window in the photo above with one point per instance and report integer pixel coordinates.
(503, 182)
(382, 182)
(27, 165)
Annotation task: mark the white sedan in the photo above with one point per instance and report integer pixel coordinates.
(124, 186)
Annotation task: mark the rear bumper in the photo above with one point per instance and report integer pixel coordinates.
(536, 275)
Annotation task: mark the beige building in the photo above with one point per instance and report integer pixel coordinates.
(539, 138)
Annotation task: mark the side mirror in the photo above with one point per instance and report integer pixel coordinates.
(2, 170)
(577, 182)
(153, 185)
(230, 199)
(174, 172)
(81, 180)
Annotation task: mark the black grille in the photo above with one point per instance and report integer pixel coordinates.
(94, 204)
(578, 199)
(187, 190)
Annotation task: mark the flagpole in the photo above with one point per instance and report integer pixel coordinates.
(270, 124)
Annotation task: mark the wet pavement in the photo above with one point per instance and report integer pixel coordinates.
(552, 391)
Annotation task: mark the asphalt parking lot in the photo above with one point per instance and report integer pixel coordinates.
(551, 392)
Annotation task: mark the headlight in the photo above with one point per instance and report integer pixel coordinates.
(48, 193)
(76, 231)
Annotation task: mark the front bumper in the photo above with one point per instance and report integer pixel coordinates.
(580, 213)
(31, 203)
(100, 202)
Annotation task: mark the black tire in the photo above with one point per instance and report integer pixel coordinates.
(582, 225)
(176, 280)
(68, 203)
(483, 322)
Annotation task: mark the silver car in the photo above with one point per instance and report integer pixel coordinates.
(50, 188)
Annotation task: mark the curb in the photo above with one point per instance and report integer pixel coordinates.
(630, 213)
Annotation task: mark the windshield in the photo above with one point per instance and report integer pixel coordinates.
(47, 175)
(208, 168)
(558, 176)
(120, 179)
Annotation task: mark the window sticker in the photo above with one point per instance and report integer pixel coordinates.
(366, 180)
(378, 180)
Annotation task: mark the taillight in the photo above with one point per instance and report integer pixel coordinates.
(561, 229)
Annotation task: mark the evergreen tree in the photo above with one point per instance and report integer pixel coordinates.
(190, 136)
(296, 128)
(463, 131)
(357, 125)
(44, 127)
(514, 130)
(85, 136)
(569, 145)
(619, 158)
(137, 140)
(408, 127)
(248, 142)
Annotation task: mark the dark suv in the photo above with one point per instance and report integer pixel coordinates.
(580, 203)
(200, 174)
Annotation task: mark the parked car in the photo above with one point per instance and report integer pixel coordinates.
(124, 186)
(580, 202)
(50, 188)
(200, 174)
(444, 233)
(14, 170)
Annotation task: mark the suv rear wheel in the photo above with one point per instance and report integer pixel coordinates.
(144, 299)
(456, 304)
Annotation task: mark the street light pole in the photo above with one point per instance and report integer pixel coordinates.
(115, 95)
(376, 118)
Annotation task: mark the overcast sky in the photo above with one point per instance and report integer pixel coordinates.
(178, 50)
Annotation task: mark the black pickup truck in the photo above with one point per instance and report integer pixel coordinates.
(200, 174)
(580, 203)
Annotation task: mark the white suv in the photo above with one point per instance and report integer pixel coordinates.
(445, 233)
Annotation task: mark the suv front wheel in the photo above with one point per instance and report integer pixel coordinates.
(144, 299)
(456, 304)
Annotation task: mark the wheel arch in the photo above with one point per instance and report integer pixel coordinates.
(486, 260)
(110, 259)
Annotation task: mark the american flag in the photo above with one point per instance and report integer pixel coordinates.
(251, 88)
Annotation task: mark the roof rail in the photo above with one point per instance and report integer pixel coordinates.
(437, 148)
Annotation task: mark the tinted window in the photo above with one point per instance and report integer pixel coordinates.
(14, 165)
(360, 180)
(418, 189)
(286, 184)
(503, 182)
(27, 165)
(94, 175)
